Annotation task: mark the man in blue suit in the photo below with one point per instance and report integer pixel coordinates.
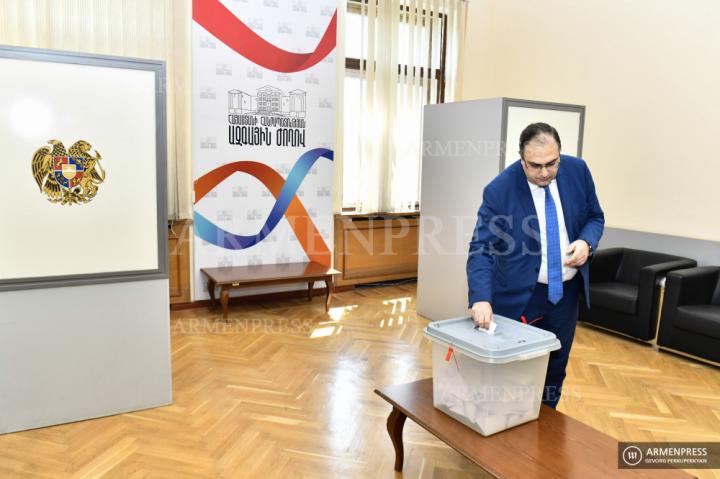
(539, 222)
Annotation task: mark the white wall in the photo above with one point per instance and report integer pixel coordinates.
(647, 71)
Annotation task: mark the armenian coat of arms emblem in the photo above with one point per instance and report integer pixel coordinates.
(70, 176)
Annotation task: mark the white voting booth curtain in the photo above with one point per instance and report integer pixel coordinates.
(156, 29)
(403, 40)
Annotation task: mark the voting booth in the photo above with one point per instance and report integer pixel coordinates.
(84, 301)
(465, 145)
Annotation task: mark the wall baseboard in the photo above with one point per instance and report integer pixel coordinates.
(705, 252)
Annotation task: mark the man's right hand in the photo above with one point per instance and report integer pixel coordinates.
(482, 314)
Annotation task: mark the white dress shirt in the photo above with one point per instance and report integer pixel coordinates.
(538, 196)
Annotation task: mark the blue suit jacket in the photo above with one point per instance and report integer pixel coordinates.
(504, 258)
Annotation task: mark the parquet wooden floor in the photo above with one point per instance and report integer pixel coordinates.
(284, 390)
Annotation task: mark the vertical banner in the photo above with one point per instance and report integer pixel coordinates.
(263, 92)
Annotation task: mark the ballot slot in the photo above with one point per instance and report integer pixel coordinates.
(489, 330)
(489, 382)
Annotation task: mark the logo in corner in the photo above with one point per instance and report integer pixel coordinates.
(70, 176)
(632, 455)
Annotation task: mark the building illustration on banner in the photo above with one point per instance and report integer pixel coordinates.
(269, 100)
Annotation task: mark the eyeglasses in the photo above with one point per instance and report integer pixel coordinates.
(537, 167)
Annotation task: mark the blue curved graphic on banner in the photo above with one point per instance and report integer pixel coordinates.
(213, 234)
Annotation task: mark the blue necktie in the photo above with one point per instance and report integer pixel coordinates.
(554, 260)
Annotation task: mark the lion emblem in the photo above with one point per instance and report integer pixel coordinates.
(68, 177)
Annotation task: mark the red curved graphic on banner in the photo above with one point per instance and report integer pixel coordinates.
(296, 214)
(218, 20)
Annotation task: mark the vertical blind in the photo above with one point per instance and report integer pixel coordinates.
(402, 55)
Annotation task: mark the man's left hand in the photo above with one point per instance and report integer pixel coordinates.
(579, 250)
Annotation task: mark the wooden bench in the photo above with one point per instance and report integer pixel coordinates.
(231, 277)
(554, 446)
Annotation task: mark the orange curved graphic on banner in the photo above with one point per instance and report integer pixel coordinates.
(296, 214)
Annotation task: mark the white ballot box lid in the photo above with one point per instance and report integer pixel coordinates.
(512, 340)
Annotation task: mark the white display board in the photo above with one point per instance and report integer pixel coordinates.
(99, 118)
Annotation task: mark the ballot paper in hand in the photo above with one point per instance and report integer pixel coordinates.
(491, 329)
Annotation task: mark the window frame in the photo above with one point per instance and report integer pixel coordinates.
(438, 73)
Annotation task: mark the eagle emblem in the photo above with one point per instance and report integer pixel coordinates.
(69, 176)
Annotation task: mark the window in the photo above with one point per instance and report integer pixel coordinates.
(417, 44)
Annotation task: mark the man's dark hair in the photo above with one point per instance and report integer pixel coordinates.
(534, 130)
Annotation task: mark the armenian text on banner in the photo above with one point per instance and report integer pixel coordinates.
(263, 89)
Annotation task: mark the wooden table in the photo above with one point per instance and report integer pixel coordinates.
(554, 446)
(231, 277)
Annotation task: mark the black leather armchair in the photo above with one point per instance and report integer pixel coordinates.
(623, 290)
(690, 320)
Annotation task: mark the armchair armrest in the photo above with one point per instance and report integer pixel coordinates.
(605, 264)
(691, 286)
(664, 268)
(648, 278)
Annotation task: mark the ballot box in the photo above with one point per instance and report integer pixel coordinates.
(489, 382)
